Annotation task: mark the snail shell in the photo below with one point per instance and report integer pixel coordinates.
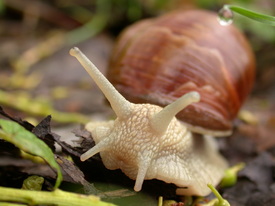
(158, 60)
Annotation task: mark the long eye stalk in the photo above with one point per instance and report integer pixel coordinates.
(161, 120)
(120, 105)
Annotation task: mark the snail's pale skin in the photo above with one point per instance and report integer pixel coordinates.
(146, 141)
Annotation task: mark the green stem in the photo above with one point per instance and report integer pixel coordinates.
(92, 27)
(215, 192)
(221, 201)
(266, 19)
(11, 204)
(56, 197)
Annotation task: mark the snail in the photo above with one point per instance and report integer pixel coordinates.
(146, 140)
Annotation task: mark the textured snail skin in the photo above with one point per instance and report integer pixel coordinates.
(158, 60)
(146, 141)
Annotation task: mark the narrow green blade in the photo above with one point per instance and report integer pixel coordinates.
(28, 142)
(266, 19)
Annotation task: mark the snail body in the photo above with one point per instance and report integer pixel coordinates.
(158, 60)
(146, 141)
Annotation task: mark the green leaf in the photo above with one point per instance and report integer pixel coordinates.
(28, 142)
(252, 15)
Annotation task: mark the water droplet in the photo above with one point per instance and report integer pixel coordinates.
(225, 16)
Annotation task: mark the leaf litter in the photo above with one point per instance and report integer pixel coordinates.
(70, 171)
